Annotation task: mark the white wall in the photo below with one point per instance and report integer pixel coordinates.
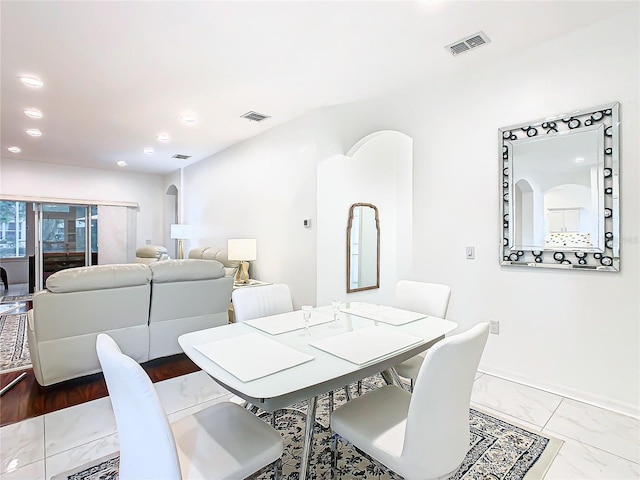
(34, 179)
(263, 188)
(573, 332)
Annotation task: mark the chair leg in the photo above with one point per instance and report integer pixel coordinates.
(277, 469)
(330, 402)
(359, 388)
(5, 280)
(334, 455)
(411, 385)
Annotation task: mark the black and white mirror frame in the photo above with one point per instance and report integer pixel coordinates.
(603, 258)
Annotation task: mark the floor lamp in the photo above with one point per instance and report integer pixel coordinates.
(244, 250)
(180, 232)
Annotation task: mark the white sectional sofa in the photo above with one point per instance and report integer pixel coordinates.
(218, 254)
(143, 307)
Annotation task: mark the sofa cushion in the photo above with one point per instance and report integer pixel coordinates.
(98, 277)
(188, 269)
(213, 253)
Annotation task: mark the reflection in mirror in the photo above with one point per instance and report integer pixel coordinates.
(363, 248)
(558, 190)
(560, 203)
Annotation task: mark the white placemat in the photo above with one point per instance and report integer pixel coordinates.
(287, 322)
(237, 355)
(384, 314)
(366, 344)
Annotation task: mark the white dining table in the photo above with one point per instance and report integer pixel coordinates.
(321, 364)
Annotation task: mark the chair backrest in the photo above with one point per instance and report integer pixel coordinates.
(437, 433)
(428, 298)
(262, 301)
(147, 446)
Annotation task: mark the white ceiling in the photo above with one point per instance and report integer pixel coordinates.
(118, 73)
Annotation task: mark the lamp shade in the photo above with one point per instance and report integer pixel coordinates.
(180, 231)
(241, 249)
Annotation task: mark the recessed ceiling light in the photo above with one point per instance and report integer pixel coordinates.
(33, 112)
(188, 118)
(148, 151)
(34, 132)
(31, 81)
(163, 137)
(579, 159)
(14, 149)
(122, 163)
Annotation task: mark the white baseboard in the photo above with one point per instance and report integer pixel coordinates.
(623, 408)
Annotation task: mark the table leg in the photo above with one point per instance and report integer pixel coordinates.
(347, 392)
(308, 438)
(391, 377)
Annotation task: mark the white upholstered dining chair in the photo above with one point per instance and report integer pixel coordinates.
(428, 298)
(223, 441)
(424, 435)
(261, 301)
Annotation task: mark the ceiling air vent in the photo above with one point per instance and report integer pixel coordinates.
(255, 116)
(466, 44)
(181, 157)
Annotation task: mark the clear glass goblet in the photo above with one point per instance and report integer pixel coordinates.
(335, 305)
(306, 314)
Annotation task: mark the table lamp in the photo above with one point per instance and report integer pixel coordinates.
(180, 232)
(244, 250)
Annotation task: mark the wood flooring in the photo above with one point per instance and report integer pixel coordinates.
(28, 399)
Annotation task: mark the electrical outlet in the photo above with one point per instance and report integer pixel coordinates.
(494, 327)
(470, 253)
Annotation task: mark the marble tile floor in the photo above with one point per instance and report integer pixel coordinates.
(598, 444)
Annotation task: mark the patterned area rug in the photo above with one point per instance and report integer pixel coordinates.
(16, 298)
(498, 450)
(14, 351)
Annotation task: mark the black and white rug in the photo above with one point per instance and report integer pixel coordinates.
(14, 350)
(498, 450)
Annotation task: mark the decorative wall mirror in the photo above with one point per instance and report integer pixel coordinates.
(560, 191)
(363, 248)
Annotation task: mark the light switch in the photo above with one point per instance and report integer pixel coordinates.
(470, 253)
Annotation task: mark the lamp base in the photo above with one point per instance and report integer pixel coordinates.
(242, 275)
(180, 249)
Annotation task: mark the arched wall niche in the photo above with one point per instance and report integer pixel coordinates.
(377, 169)
(171, 208)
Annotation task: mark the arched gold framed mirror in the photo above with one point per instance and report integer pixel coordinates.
(363, 248)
